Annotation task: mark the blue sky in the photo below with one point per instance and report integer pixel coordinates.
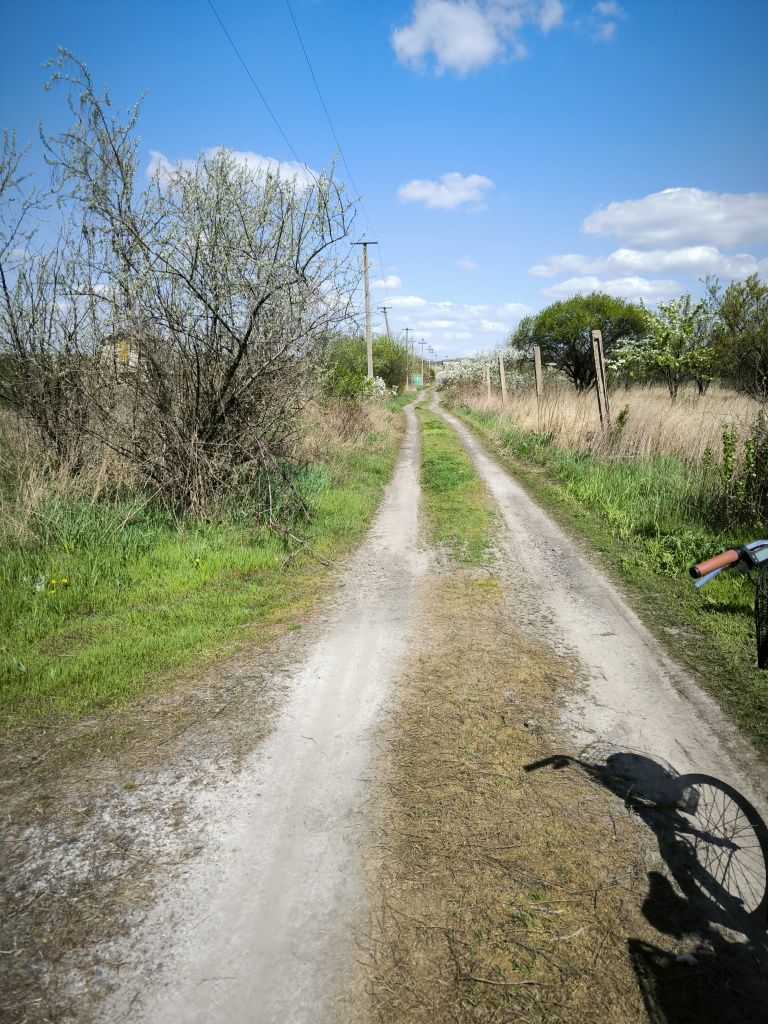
(508, 152)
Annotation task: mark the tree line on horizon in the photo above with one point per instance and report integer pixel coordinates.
(720, 337)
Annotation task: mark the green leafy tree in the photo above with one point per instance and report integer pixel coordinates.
(675, 347)
(740, 333)
(346, 364)
(563, 332)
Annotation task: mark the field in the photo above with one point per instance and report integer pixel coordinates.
(647, 423)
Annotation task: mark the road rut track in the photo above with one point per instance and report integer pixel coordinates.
(637, 696)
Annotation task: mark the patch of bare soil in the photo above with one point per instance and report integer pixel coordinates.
(95, 822)
(511, 895)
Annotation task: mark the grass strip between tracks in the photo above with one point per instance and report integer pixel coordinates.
(633, 514)
(461, 517)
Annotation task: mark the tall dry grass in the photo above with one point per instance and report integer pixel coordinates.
(33, 489)
(653, 424)
(29, 480)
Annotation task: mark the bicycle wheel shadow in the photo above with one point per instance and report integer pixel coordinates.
(715, 904)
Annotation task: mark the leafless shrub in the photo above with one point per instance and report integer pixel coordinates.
(178, 324)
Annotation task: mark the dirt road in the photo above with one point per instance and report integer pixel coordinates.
(261, 930)
(261, 926)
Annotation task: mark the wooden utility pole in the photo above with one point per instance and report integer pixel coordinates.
(488, 379)
(368, 335)
(503, 376)
(422, 343)
(385, 310)
(539, 381)
(601, 383)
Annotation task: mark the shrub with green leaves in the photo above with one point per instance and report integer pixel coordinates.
(743, 490)
(346, 366)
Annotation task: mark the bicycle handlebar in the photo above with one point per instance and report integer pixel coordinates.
(721, 561)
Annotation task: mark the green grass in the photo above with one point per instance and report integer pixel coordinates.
(400, 401)
(649, 521)
(148, 595)
(460, 514)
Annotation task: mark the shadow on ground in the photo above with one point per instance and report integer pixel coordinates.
(714, 900)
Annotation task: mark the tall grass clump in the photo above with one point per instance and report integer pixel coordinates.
(646, 423)
(678, 476)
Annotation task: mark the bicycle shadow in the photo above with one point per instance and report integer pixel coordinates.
(715, 848)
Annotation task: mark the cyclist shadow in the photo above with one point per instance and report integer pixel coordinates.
(715, 847)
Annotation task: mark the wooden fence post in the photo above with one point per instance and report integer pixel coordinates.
(539, 381)
(604, 375)
(601, 385)
(503, 376)
(488, 379)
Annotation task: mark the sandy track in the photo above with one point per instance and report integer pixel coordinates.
(262, 928)
(637, 698)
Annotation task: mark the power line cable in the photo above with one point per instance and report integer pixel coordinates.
(337, 141)
(276, 122)
(322, 101)
(256, 87)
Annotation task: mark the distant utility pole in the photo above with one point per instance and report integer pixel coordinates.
(385, 310)
(368, 337)
(422, 343)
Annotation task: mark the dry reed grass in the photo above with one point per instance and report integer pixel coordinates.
(654, 424)
(28, 479)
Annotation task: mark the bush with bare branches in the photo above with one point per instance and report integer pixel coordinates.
(178, 324)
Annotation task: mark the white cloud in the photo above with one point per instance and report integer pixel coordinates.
(160, 165)
(604, 16)
(608, 9)
(406, 301)
(696, 260)
(604, 33)
(388, 281)
(454, 328)
(631, 287)
(551, 15)
(435, 325)
(468, 265)
(676, 216)
(458, 34)
(451, 191)
(465, 35)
